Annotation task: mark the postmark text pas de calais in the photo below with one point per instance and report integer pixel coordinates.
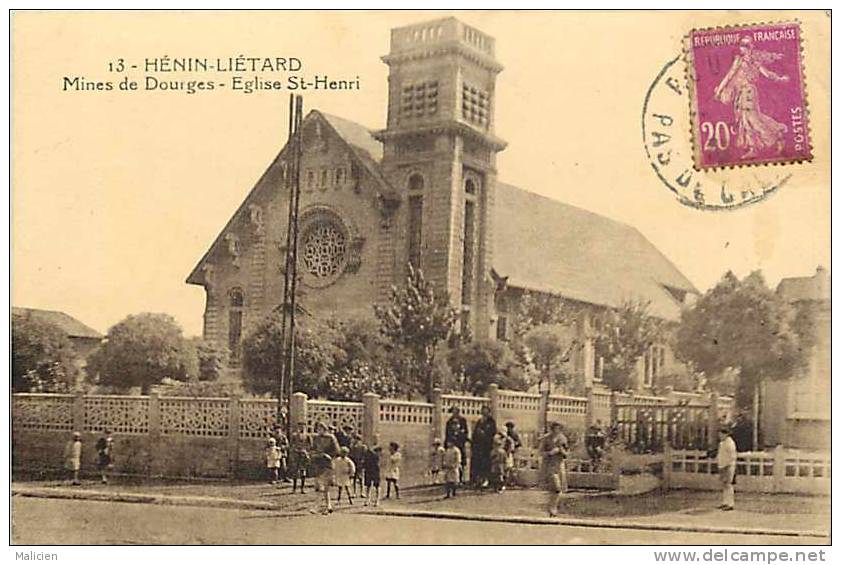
(748, 95)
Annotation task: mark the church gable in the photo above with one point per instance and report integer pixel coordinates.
(335, 161)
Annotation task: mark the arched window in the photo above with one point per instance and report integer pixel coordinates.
(470, 187)
(235, 313)
(468, 257)
(416, 182)
(415, 223)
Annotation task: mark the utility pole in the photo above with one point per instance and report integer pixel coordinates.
(290, 275)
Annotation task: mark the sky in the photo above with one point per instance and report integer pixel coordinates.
(117, 195)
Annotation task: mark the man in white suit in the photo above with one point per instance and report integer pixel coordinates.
(726, 467)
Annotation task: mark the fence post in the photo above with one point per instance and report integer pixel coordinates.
(79, 412)
(154, 432)
(371, 417)
(543, 413)
(779, 468)
(590, 417)
(233, 436)
(298, 409)
(667, 466)
(437, 414)
(493, 394)
(712, 421)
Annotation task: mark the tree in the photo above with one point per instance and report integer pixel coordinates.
(743, 325)
(43, 359)
(622, 336)
(536, 309)
(142, 350)
(211, 359)
(417, 319)
(354, 379)
(262, 355)
(549, 348)
(478, 364)
(363, 362)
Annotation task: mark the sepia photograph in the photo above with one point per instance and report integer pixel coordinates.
(393, 277)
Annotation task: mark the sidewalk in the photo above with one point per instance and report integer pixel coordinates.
(675, 510)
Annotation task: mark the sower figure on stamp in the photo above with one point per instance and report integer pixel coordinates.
(755, 131)
(726, 468)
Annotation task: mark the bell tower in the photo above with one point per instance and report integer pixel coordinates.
(439, 150)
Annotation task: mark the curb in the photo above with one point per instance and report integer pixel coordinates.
(162, 499)
(592, 523)
(234, 504)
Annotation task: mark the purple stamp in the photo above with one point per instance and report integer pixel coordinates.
(748, 96)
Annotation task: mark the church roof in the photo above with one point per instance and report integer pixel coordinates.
(68, 324)
(544, 245)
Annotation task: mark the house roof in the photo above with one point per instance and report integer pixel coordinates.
(795, 289)
(68, 324)
(548, 246)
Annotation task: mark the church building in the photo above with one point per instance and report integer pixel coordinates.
(424, 191)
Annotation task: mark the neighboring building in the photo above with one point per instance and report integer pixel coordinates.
(796, 412)
(424, 191)
(83, 338)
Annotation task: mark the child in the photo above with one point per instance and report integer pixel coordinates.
(499, 456)
(357, 455)
(322, 465)
(103, 455)
(371, 461)
(273, 455)
(451, 463)
(392, 475)
(73, 456)
(343, 472)
(435, 460)
(299, 456)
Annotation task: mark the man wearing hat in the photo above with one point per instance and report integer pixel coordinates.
(726, 467)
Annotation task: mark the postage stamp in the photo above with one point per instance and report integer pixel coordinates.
(748, 95)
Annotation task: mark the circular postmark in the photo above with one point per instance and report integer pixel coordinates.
(668, 145)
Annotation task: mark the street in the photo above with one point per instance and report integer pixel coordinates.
(37, 521)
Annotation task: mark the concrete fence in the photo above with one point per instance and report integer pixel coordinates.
(778, 471)
(224, 437)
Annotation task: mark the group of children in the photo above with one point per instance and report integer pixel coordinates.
(451, 460)
(73, 456)
(340, 459)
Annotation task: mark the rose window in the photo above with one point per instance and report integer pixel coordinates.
(324, 247)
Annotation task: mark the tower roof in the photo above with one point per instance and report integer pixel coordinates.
(446, 35)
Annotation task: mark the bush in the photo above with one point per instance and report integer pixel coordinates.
(42, 356)
(316, 353)
(142, 350)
